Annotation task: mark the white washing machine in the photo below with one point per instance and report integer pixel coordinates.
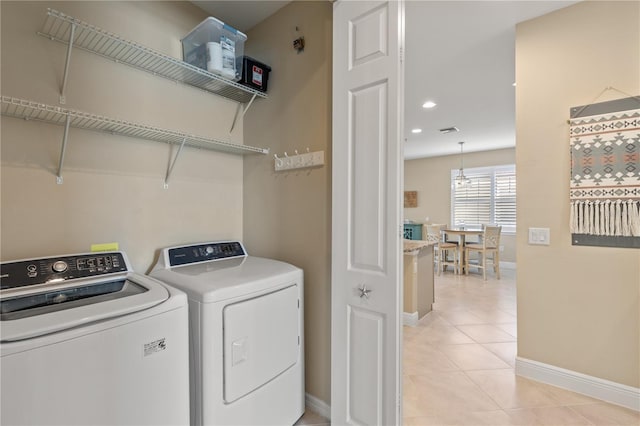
(246, 333)
(86, 341)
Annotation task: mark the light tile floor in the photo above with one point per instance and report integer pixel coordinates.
(458, 365)
(312, 419)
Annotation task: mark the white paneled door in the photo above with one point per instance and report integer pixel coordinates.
(367, 216)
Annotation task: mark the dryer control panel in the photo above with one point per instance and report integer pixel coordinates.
(59, 269)
(205, 252)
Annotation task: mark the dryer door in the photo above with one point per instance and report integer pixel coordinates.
(261, 340)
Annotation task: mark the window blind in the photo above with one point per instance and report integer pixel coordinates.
(505, 198)
(489, 198)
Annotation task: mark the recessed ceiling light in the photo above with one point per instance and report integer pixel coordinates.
(416, 130)
(428, 104)
(449, 130)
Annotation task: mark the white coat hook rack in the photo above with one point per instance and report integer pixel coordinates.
(299, 161)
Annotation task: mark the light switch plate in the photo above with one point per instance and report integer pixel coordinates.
(539, 236)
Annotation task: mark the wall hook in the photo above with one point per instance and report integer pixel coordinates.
(299, 161)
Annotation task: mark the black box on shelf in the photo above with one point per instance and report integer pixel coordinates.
(255, 74)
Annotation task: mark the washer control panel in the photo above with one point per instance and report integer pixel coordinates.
(57, 269)
(205, 252)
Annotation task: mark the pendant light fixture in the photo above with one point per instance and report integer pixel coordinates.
(461, 179)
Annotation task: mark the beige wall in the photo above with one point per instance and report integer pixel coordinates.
(578, 307)
(287, 214)
(113, 186)
(431, 177)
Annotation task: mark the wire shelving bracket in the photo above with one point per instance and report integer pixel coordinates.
(76, 33)
(28, 110)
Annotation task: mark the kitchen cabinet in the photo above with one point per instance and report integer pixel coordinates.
(418, 279)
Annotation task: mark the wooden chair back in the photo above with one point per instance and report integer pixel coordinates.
(433, 234)
(491, 237)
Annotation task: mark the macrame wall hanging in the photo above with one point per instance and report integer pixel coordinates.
(605, 173)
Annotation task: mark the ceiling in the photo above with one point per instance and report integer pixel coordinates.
(241, 14)
(459, 54)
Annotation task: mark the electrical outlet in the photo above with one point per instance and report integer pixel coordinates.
(501, 249)
(539, 236)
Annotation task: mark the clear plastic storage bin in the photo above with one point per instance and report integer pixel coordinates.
(215, 47)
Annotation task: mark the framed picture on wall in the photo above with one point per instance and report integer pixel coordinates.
(411, 198)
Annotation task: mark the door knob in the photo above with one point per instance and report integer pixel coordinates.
(364, 291)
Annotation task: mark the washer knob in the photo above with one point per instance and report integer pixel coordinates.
(60, 266)
(209, 250)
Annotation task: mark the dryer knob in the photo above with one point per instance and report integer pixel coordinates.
(209, 250)
(60, 266)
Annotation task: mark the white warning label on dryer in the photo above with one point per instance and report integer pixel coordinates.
(155, 346)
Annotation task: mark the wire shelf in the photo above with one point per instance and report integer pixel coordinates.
(20, 108)
(58, 27)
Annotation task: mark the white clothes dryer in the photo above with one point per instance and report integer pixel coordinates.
(246, 333)
(86, 341)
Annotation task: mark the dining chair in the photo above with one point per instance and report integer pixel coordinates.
(489, 244)
(442, 248)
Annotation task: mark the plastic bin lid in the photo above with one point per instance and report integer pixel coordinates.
(212, 20)
(262, 64)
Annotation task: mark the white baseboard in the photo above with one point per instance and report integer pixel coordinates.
(594, 387)
(318, 406)
(410, 319)
(507, 265)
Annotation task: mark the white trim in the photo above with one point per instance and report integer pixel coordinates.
(615, 393)
(317, 405)
(507, 265)
(410, 319)
(503, 265)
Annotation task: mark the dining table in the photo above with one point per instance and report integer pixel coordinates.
(462, 234)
